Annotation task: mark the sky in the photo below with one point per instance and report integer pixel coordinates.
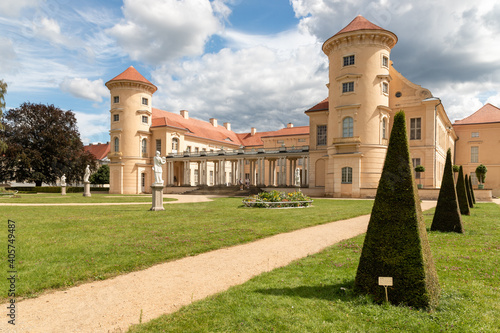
(253, 63)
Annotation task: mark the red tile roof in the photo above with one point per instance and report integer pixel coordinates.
(321, 106)
(299, 130)
(359, 23)
(194, 127)
(249, 140)
(487, 114)
(100, 150)
(131, 74)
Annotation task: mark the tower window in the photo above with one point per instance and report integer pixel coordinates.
(145, 119)
(347, 175)
(385, 87)
(349, 60)
(144, 101)
(144, 148)
(385, 61)
(347, 87)
(116, 117)
(158, 145)
(117, 145)
(321, 135)
(415, 128)
(116, 99)
(384, 128)
(347, 127)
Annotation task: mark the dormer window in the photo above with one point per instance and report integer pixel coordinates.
(116, 99)
(349, 60)
(145, 101)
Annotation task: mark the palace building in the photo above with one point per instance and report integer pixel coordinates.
(340, 154)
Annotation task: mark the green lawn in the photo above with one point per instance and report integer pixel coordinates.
(315, 294)
(57, 198)
(61, 246)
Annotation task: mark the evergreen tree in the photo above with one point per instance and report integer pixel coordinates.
(463, 202)
(447, 216)
(467, 190)
(396, 242)
(472, 190)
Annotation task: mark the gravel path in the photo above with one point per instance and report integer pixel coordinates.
(115, 304)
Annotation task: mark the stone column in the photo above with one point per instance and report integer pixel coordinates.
(86, 189)
(157, 190)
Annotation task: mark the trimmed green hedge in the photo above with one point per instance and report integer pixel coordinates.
(56, 189)
(396, 243)
(467, 190)
(463, 202)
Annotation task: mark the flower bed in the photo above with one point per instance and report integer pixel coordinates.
(275, 199)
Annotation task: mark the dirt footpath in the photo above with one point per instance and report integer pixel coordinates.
(115, 304)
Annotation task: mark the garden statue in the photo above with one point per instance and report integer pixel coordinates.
(87, 174)
(63, 180)
(157, 168)
(297, 177)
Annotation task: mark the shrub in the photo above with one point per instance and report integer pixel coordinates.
(472, 190)
(281, 199)
(396, 243)
(447, 216)
(463, 202)
(467, 190)
(481, 173)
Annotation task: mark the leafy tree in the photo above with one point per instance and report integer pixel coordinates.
(447, 216)
(43, 144)
(101, 176)
(467, 190)
(3, 92)
(463, 202)
(396, 243)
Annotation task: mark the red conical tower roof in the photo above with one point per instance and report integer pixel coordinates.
(131, 74)
(359, 23)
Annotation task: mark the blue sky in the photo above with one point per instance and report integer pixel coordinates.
(254, 63)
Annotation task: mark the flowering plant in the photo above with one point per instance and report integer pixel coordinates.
(275, 199)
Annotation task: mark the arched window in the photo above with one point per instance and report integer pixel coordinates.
(117, 145)
(347, 127)
(144, 147)
(384, 128)
(175, 144)
(347, 175)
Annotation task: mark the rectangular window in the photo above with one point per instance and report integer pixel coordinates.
(349, 60)
(321, 135)
(415, 128)
(116, 99)
(474, 135)
(385, 61)
(474, 154)
(415, 162)
(211, 177)
(116, 117)
(280, 141)
(158, 145)
(347, 87)
(385, 87)
(188, 149)
(145, 119)
(302, 140)
(347, 175)
(144, 101)
(196, 150)
(473, 178)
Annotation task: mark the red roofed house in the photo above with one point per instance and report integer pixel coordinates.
(478, 140)
(100, 152)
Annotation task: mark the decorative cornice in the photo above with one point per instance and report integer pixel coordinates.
(348, 76)
(383, 38)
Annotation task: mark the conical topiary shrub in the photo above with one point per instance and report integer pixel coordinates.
(463, 203)
(467, 190)
(472, 191)
(447, 216)
(396, 242)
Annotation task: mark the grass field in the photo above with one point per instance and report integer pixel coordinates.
(57, 198)
(62, 246)
(315, 294)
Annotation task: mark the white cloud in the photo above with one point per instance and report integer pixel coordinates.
(92, 126)
(9, 8)
(9, 62)
(86, 89)
(156, 31)
(50, 30)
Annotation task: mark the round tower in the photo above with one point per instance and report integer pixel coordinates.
(359, 114)
(130, 136)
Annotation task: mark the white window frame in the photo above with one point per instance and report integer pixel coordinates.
(385, 88)
(474, 135)
(347, 87)
(346, 175)
(348, 60)
(474, 154)
(116, 99)
(416, 128)
(145, 101)
(347, 127)
(385, 61)
(321, 136)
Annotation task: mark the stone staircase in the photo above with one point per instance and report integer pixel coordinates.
(229, 191)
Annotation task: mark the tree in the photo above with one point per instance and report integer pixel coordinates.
(467, 190)
(447, 216)
(43, 144)
(461, 194)
(472, 190)
(419, 169)
(456, 168)
(396, 243)
(3, 92)
(101, 176)
(481, 175)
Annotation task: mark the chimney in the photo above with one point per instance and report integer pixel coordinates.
(184, 114)
(289, 125)
(227, 126)
(213, 121)
(253, 131)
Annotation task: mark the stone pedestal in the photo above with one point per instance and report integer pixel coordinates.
(63, 190)
(86, 189)
(157, 190)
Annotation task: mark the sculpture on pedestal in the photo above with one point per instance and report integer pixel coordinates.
(297, 177)
(86, 176)
(63, 180)
(157, 168)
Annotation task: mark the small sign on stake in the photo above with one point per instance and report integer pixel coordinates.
(385, 282)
